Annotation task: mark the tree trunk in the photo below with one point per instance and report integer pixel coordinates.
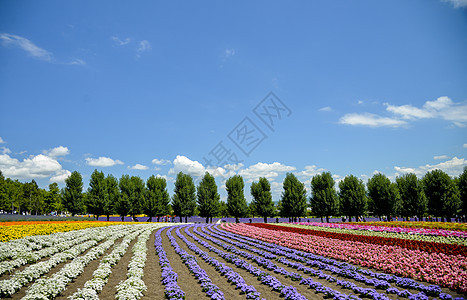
(97, 217)
(327, 219)
(321, 219)
(207, 220)
(108, 217)
(180, 219)
(265, 219)
(186, 219)
(122, 218)
(237, 220)
(150, 219)
(158, 218)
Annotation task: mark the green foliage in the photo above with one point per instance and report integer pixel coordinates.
(442, 194)
(132, 191)
(462, 185)
(352, 197)
(323, 200)
(53, 199)
(97, 194)
(73, 193)
(156, 202)
(112, 195)
(262, 204)
(208, 197)
(293, 201)
(223, 210)
(413, 200)
(384, 195)
(236, 202)
(184, 198)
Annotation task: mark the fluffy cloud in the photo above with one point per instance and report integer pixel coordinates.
(465, 145)
(2, 141)
(442, 108)
(26, 45)
(437, 157)
(138, 167)
(60, 176)
(184, 164)
(327, 108)
(120, 42)
(457, 3)
(309, 172)
(57, 151)
(161, 161)
(452, 167)
(143, 46)
(34, 167)
(270, 171)
(372, 120)
(103, 162)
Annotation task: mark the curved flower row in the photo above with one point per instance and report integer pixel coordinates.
(169, 276)
(232, 276)
(101, 275)
(288, 292)
(420, 224)
(208, 287)
(393, 227)
(26, 255)
(133, 287)
(379, 232)
(345, 271)
(430, 247)
(445, 270)
(13, 232)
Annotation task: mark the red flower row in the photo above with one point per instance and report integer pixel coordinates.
(430, 247)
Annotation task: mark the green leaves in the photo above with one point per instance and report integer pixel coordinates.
(262, 199)
(293, 201)
(323, 201)
(236, 202)
(208, 197)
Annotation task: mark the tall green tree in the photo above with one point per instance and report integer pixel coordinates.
(462, 184)
(223, 210)
(4, 201)
(352, 197)
(384, 195)
(112, 196)
(137, 196)
(262, 204)
(97, 194)
(442, 194)
(52, 198)
(323, 200)
(157, 199)
(184, 198)
(293, 199)
(413, 200)
(73, 193)
(208, 197)
(236, 202)
(123, 204)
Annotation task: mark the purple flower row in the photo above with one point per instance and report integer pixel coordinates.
(233, 277)
(381, 280)
(208, 287)
(169, 276)
(286, 292)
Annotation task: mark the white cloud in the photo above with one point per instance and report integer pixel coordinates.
(441, 157)
(60, 177)
(77, 61)
(138, 167)
(269, 171)
(57, 151)
(26, 45)
(5, 150)
(2, 141)
(143, 46)
(327, 108)
(465, 145)
(441, 108)
(372, 120)
(309, 172)
(188, 166)
(120, 42)
(452, 167)
(360, 102)
(457, 3)
(103, 162)
(39, 166)
(161, 161)
(229, 52)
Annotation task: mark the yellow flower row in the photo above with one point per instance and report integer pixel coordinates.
(13, 232)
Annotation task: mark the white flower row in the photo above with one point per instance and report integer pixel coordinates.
(101, 275)
(11, 285)
(24, 257)
(133, 287)
(47, 288)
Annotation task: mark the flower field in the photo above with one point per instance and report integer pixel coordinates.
(228, 261)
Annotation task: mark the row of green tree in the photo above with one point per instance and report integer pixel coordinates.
(435, 194)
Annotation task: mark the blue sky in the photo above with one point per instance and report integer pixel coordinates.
(252, 88)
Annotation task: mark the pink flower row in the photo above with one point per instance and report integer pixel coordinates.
(423, 231)
(445, 270)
